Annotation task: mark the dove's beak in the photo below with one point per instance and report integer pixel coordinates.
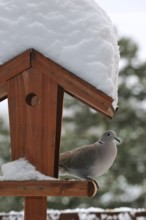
(117, 139)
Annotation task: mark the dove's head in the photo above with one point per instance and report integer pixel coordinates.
(109, 136)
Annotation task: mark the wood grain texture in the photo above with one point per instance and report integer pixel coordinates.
(12, 68)
(74, 85)
(60, 100)
(15, 66)
(48, 188)
(35, 208)
(3, 91)
(33, 128)
(35, 125)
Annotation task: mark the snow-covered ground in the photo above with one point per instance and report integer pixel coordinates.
(87, 214)
(76, 34)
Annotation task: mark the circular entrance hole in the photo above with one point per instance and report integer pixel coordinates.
(32, 99)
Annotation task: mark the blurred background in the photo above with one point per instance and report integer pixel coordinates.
(124, 184)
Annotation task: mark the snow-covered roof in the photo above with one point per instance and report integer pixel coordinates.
(76, 34)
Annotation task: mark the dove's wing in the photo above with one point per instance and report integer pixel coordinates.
(77, 159)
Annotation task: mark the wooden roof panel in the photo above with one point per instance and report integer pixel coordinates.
(71, 83)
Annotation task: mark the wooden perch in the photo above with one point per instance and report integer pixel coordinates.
(49, 188)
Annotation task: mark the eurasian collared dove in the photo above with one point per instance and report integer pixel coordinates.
(92, 160)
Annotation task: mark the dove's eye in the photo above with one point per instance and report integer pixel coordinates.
(108, 134)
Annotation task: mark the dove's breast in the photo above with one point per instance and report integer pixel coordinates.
(104, 161)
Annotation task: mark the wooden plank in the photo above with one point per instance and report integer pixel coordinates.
(13, 67)
(3, 91)
(75, 86)
(60, 99)
(48, 188)
(35, 102)
(35, 208)
(35, 130)
(71, 83)
(67, 216)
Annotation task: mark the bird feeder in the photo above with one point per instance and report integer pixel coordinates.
(34, 86)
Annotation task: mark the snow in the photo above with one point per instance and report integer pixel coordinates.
(12, 215)
(21, 170)
(92, 213)
(76, 34)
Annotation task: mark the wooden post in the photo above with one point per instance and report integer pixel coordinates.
(35, 208)
(34, 102)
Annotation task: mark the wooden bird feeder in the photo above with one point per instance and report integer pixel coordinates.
(34, 86)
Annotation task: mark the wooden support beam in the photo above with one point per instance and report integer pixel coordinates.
(71, 83)
(34, 126)
(15, 66)
(35, 208)
(35, 109)
(12, 68)
(60, 102)
(3, 91)
(48, 188)
(35, 112)
(74, 85)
